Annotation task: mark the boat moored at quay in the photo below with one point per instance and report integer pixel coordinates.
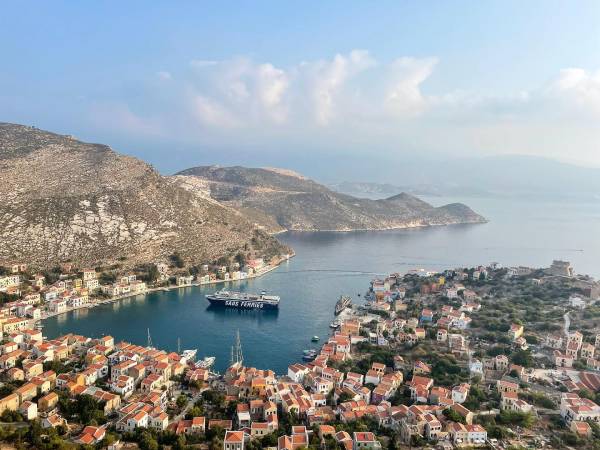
(343, 303)
(243, 300)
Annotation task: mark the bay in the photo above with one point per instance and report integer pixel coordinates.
(328, 265)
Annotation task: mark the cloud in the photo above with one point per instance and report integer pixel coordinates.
(355, 102)
(404, 94)
(211, 113)
(578, 89)
(328, 78)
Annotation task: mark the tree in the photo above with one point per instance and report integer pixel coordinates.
(177, 260)
(147, 442)
(453, 416)
(182, 401)
(240, 258)
(153, 273)
(522, 358)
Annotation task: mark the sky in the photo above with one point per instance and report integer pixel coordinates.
(308, 85)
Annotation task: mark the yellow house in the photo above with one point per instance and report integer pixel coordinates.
(26, 392)
(14, 324)
(32, 369)
(10, 402)
(48, 401)
(43, 384)
(61, 352)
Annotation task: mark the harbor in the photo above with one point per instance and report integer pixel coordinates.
(326, 266)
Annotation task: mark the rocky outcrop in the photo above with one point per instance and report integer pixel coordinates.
(63, 199)
(279, 200)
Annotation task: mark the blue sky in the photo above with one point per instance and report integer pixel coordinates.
(279, 83)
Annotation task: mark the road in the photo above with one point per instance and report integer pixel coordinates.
(189, 405)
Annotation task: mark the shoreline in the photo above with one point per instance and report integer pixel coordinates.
(111, 300)
(391, 228)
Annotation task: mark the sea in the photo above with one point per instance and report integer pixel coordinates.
(328, 265)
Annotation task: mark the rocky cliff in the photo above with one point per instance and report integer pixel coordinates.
(63, 199)
(281, 200)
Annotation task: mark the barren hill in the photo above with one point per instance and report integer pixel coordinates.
(63, 199)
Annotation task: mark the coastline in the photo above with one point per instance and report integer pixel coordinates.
(107, 301)
(390, 228)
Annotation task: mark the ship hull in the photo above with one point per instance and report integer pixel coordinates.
(241, 304)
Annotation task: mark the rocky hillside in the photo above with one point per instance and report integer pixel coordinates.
(63, 199)
(293, 202)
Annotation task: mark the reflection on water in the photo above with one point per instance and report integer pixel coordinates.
(264, 315)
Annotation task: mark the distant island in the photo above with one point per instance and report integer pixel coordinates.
(281, 200)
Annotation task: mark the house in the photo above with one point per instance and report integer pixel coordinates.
(460, 392)
(48, 402)
(512, 402)
(442, 335)
(504, 386)
(234, 440)
(575, 338)
(587, 351)
(476, 367)
(28, 410)
(123, 385)
(421, 368)
(365, 440)
(10, 402)
(91, 435)
(582, 429)
(466, 435)
(26, 392)
(465, 413)
(501, 362)
(562, 360)
(516, 331)
(53, 421)
(575, 408)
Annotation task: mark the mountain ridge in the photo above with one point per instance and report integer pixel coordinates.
(297, 203)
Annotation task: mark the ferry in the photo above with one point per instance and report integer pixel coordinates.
(342, 304)
(243, 300)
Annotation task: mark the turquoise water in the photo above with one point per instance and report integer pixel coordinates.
(330, 264)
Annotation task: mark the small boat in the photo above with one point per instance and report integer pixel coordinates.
(310, 355)
(189, 355)
(343, 302)
(335, 324)
(315, 339)
(206, 363)
(309, 351)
